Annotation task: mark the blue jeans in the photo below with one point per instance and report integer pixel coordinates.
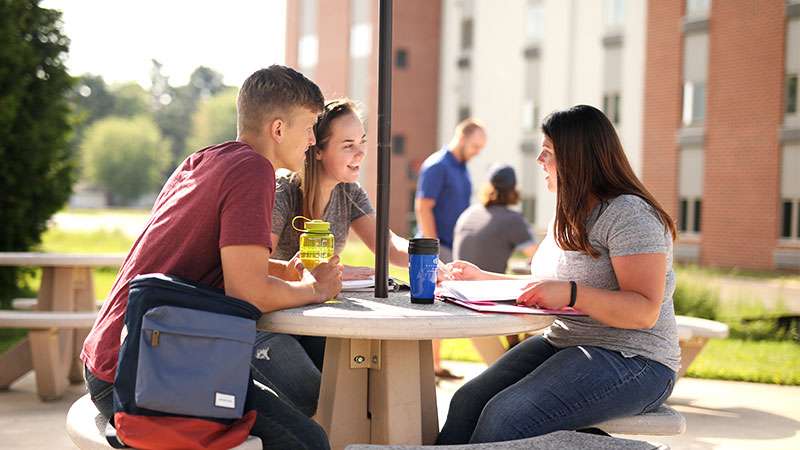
(536, 388)
(282, 363)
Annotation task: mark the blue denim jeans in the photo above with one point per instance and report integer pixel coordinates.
(536, 388)
(282, 363)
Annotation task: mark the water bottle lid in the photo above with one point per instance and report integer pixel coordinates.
(313, 226)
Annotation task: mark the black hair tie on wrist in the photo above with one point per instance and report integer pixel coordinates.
(573, 293)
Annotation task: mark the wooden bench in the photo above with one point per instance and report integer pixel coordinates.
(87, 427)
(40, 320)
(32, 304)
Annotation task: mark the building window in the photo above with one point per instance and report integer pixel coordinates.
(466, 33)
(690, 188)
(464, 112)
(530, 115)
(611, 107)
(412, 215)
(690, 215)
(694, 103)
(401, 58)
(529, 208)
(308, 44)
(695, 74)
(534, 28)
(786, 219)
(398, 144)
(791, 94)
(698, 8)
(790, 192)
(615, 13)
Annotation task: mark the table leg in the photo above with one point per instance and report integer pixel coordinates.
(52, 349)
(84, 301)
(402, 397)
(15, 362)
(489, 347)
(430, 415)
(342, 409)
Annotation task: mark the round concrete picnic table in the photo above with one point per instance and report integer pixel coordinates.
(377, 379)
(67, 286)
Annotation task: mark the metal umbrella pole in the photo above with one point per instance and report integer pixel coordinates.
(384, 147)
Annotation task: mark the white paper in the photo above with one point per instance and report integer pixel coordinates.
(357, 285)
(484, 290)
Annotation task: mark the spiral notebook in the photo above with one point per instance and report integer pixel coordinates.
(498, 296)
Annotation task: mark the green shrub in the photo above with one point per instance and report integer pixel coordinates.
(695, 298)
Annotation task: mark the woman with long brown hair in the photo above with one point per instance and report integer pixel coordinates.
(608, 253)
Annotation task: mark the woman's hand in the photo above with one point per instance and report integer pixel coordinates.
(545, 294)
(463, 270)
(357, 273)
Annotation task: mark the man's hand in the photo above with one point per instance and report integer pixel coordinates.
(295, 268)
(326, 279)
(357, 273)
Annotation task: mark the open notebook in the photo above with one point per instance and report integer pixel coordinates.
(497, 296)
(368, 284)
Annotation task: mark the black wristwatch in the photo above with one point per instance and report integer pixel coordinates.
(573, 293)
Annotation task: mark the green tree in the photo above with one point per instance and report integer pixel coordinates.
(130, 100)
(36, 166)
(214, 121)
(174, 110)
(124, 157)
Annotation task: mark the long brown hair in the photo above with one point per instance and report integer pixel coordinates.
(309, 175)
(491, 195)
(589, 161)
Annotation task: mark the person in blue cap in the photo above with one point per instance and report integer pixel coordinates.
(487, 233)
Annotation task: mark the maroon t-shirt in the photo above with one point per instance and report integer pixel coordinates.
(221, 195)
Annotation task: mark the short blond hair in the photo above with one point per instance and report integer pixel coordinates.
(273, 92)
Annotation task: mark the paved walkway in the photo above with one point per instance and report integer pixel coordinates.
(721, 415)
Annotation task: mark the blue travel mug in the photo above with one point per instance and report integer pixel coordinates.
(423, 262)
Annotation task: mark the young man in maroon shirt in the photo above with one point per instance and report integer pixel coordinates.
(211, 223)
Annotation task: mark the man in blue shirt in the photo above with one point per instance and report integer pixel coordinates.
(443, 193)
(444, 188)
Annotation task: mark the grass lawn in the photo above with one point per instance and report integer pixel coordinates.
(729, 359)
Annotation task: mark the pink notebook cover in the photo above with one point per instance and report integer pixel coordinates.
(503, 307)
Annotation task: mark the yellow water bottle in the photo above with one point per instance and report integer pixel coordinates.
(316, 242)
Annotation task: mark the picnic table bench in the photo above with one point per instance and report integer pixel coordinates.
(64, 312)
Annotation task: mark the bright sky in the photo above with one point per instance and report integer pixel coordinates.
(117, 39)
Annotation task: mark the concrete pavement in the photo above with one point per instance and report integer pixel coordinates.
(720, 415)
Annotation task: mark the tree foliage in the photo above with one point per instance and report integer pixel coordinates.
(36, 165)
(214, 121)
(124, 157)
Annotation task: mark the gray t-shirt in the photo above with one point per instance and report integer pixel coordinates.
(348, 202)
(625, 225)
(487, 237)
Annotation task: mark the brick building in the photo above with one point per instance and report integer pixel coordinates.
(721, 138)
(336, 44)
(702, 92)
